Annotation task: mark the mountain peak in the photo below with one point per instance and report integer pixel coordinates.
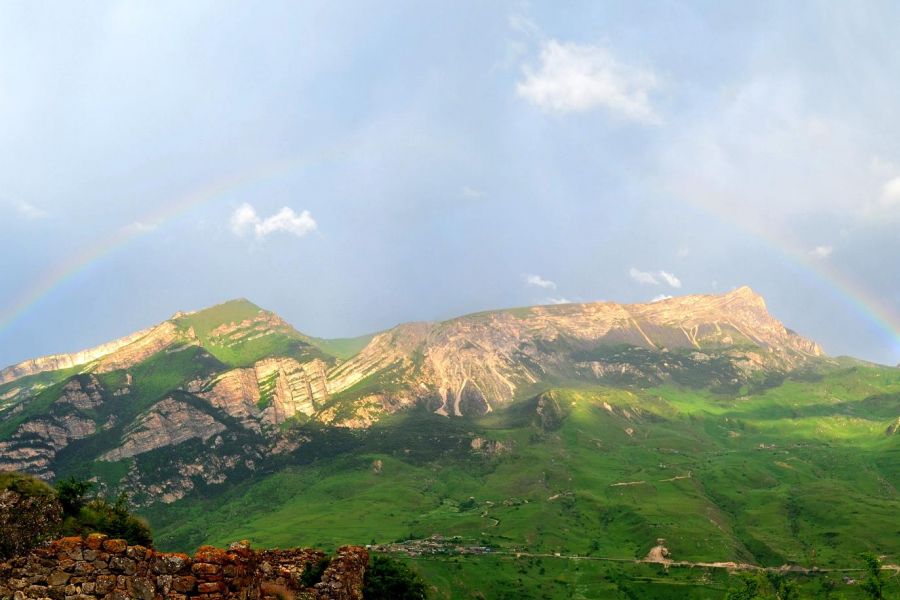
(745, 293)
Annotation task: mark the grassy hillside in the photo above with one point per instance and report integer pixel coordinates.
(802, 473)
(239, 333)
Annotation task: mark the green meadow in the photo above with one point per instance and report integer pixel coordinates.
(570, 487)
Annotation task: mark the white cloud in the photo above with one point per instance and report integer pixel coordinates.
(558, 300)
(538, 281)
(30, 211)
(471, 193)
(245, 219)
(821, 252)
(643, 276)
(661, 297)
(581, 77)
(288, 221)
(670, 279)
(890, 193)
(654, 277)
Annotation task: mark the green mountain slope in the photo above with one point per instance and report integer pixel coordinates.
(805, 473)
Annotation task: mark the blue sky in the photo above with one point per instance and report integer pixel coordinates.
(415, 161)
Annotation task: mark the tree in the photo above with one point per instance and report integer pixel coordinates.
(873, 585)
(389, 579)
(116, 520)
(71, 494)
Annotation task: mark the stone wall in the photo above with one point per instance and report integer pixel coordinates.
(99, 568)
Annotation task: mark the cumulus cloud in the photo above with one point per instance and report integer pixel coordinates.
(30, 211)
(821, 252)
(538, 281)
(654, 277)
(661, 297)
(670, 279)
(557, 300)
(245, 219)
(581, 77)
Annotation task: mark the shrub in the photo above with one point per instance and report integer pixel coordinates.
(115, 520)
(873, 585)
(389, 579)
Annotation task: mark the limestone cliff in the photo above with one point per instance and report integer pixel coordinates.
(168, 423)
(117, 354)
(472, 364)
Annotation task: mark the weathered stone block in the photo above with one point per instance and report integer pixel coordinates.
(184, 584)
(211, 554)
(95, 541)
(122, 564)
(210, 587)
(136, 552)
(142, 588)
(169, 564)
(164, 584)
(58, 578)
(82, 566)
(205, 570)
(115, 546)
(105, 584)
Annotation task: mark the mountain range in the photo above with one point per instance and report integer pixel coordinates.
(237, 366)
(539, 428)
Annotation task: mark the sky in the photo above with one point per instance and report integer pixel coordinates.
(355, 165)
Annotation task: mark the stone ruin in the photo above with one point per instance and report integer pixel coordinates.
(99, 568)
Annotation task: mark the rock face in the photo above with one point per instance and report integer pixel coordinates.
(98, 567)
(35, 443)
(272, 391)
(120, 353)
(293, 387)
(475, 363)
(82, 395)
(168, 423)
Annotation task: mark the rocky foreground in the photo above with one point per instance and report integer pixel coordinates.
(101, 568)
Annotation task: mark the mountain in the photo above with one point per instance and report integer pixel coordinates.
(239, 369)
(581, 429)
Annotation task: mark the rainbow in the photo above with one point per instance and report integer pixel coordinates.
(168, 211)
(879, 314)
